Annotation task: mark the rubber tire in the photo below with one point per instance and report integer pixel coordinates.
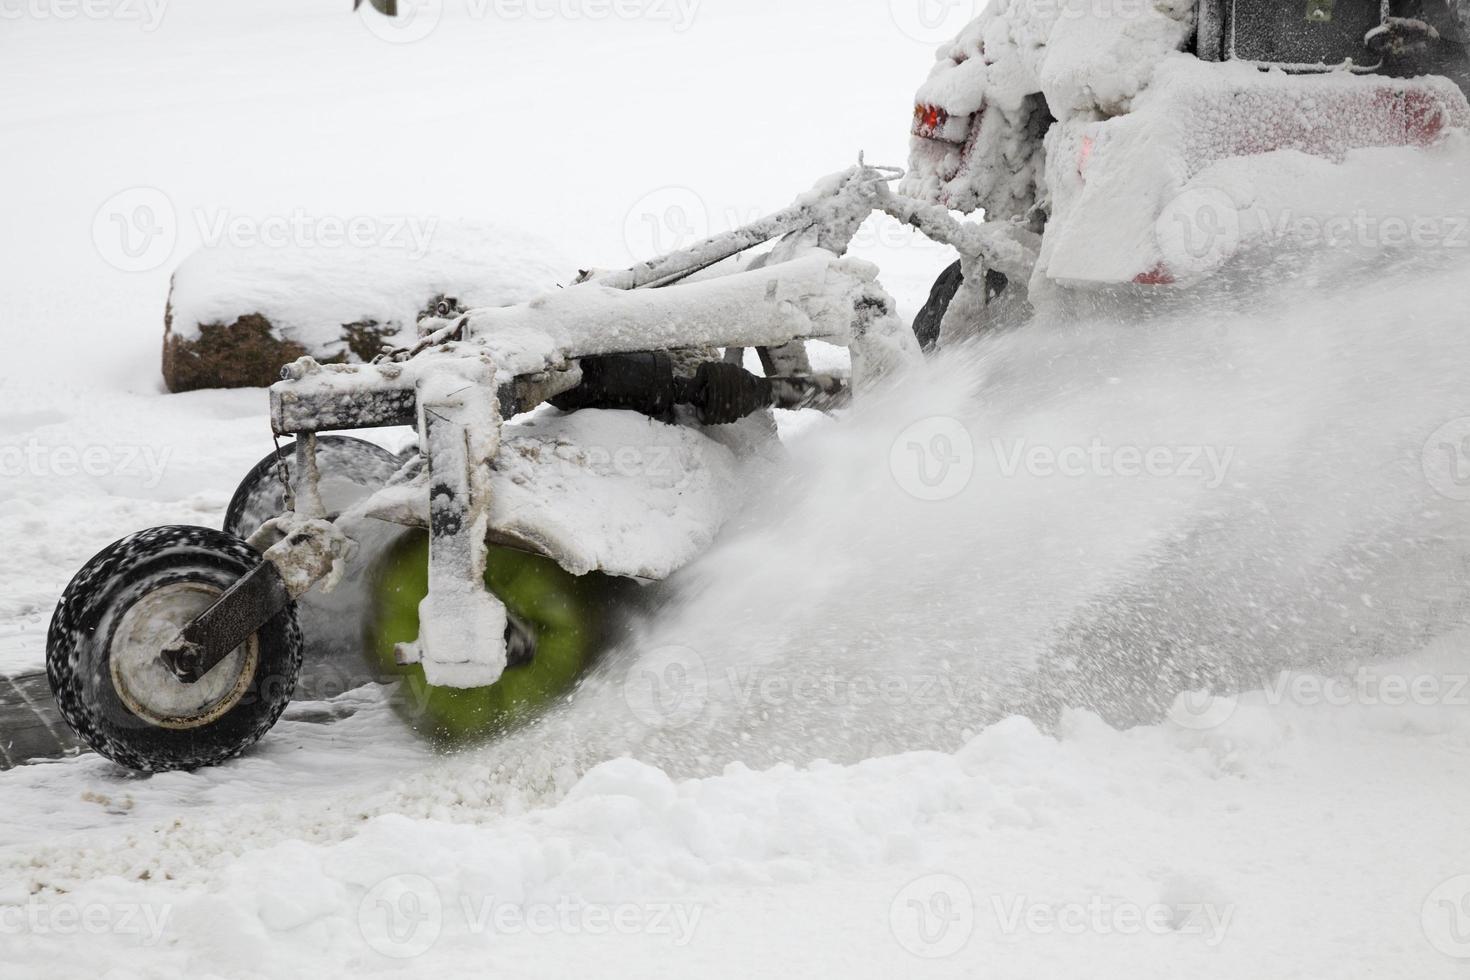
(351, 470)
(260, 496)
(930, 320)
(573, 618)
(78, 651)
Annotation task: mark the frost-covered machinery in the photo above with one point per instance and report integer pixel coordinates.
(1082, 130)
(178, 647)
(1135, 137)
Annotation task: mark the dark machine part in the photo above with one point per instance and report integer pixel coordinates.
(211, 637)
(1301, 32)
(721, 393)
(1403, 38)
(1426, 37)
(520, 641)
(388, 8)
(642, 383)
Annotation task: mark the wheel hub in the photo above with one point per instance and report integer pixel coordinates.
(148, 688)
(520, 642)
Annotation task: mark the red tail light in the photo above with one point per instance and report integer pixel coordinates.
(1159, 275)
(934, 123)
(1417, 115)
(929, 121)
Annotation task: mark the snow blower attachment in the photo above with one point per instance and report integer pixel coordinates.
(179, 647)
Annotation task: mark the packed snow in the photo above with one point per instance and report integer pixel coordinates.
(1128, 644)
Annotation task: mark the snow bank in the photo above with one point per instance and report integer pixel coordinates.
(1143, 852)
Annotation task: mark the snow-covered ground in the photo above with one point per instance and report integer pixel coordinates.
(916, 715)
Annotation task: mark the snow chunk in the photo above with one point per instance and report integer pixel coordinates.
(627, 777)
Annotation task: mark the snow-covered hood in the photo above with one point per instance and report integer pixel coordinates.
(1129, 195)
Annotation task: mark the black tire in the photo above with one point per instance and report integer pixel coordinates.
(177, 568)
(351, 469)
(930, 321)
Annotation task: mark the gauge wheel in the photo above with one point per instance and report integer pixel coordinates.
(351, 470)
(110, 627)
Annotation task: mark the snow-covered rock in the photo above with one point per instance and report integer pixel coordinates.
(237, 312)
